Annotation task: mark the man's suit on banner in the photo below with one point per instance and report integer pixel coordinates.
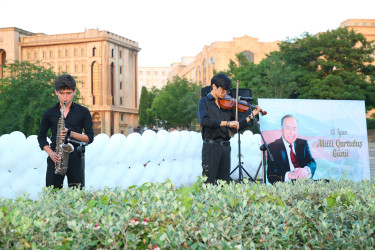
(277, 169)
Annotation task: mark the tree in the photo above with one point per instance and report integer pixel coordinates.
(143, 105)
(24, 96)
(269, 79)
(177, 103)
(331, 65)
(152, 118)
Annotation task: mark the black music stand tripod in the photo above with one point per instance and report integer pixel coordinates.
(81, 149)
(263, 148)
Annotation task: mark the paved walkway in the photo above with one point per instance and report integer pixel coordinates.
(371, 150)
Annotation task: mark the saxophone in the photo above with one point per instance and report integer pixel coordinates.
(63, 148)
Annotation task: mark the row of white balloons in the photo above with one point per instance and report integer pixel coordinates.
(120, 161)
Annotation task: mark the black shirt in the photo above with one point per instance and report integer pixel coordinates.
(210, 117)
(78, 119)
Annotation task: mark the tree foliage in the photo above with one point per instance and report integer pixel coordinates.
(146, 114)
(330, 65)
(176, 103)
(25, 94)
(143, 105)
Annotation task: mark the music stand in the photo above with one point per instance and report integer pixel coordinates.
(263, 148)
(81, 149)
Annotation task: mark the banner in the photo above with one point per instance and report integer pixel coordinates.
(335, 131)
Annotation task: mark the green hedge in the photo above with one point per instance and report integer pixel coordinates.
(307, 214)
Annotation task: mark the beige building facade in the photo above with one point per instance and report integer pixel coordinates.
(104, 63)
(364, 26)
(217, 57)
(153, 77)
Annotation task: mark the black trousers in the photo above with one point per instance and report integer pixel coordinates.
(74, 173)
(216, 161)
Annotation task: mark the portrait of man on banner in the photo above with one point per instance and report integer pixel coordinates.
(317, 139)
(292, 157)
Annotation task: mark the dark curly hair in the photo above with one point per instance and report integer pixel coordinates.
(65, 82)
(222, 80)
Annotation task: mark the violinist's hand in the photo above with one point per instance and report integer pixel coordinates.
(234, 124)
(257, 111)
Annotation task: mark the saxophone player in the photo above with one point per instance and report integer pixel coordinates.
(73, 116)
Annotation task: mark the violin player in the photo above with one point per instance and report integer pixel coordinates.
(215, 123)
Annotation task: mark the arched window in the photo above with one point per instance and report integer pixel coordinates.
(204, 72)
(211, 66)
(97, 124)
(95, 82)
(198, 74)
(2, 62)
(249, 55)
(94, 51)
(113, 83)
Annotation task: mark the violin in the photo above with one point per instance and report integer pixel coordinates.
(230, 103)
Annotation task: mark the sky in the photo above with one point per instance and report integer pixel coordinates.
(167, 30)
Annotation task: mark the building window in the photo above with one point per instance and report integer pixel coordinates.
(66, 52)
(204, 72)
(364, 24)
(155, 73)
(112, 83)
(249, 55)
(60, 69)
(163, 73)
(67, 68)
(95, 83)
(28, 55)
(75, 68)
(83, 68)
(83, 52)
(59, 53)
(148, 73)
(35, 55)
(44, 54)
(112, 53)
(120, 69)
(120, 54)
(120, 85)
(140, 73)
(94, 51)
(120, 100)
(356, 24)
(51, 53)
(372, 24)
(75, 52)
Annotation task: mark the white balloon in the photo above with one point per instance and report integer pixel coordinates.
(135, 173)
(163, 172)
(150, 172)
(6, 179)
(8, 193)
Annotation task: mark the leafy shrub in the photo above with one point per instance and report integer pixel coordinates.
(306, 214)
